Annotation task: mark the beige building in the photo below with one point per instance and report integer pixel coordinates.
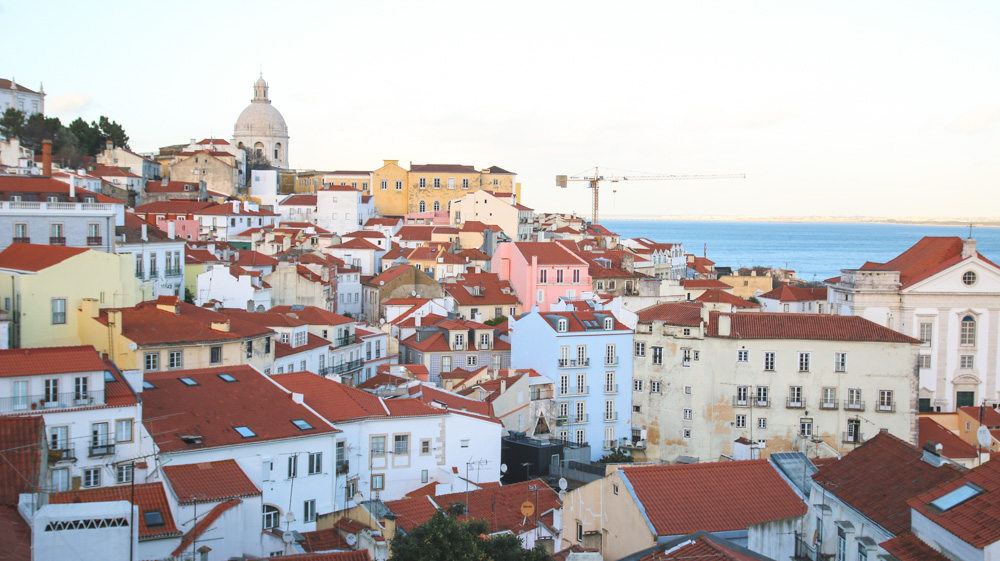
(748, 285)
(214, 168)
(430, 187)
(816, 384)
(494, 209)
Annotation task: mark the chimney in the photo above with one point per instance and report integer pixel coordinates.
(47, 158)
(109, 146)
(968, 248)
(170, 229)
(503, 385)
(416, 321)
(725, 325)
(932, 453)
(145, 237)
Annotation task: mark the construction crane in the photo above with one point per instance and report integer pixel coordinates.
(595, 180)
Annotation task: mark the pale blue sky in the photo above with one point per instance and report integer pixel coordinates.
(846, 108)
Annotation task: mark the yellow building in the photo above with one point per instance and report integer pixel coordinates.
(429, 187)
(44, 285)
(166, 334)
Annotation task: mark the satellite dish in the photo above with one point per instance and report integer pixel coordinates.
(290, 517)
(288, 537)
(132, 346)
(351, 539)
(984, 437)
(563, 484)
(503, 468)
(357, 498)
(413, 293)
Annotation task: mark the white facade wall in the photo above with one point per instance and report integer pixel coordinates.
(90, 544)
(349, 293)
(368, 261)
(264, 187)
(218, 284)
(943, 540)
(340, 211)
(159, 266)
(833, 511)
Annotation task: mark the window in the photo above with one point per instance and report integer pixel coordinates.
(742, 395)
(301, 424)
(688, 414)
(637, 385)
(378, 481)
(401, 444)
(561, 325)
(581, 411)
(637, 409)
(471, 360)
(762, 422)
(654, 387)
(293, 466)
(425, 446)
(762, 396)
(20, 395)
(805, 428)
(885, 400)
(315, 463)
(484, 341)
(609, 383)
(610, 356)
(581, 355)
(543, 276)
(20, 230)
(687, 390)
(687, 331)
(576, 276)
(152, 264)
(188, 381)
(123, 430)
(216, 354)
(272, 517)
(80, 388)
(862, 552)
(92, 477)
(378, 446)
(840, 362)
(152, 361)
(245, 432)
(741, 421)
(803, 362)
(926, 333)
(249, 349)
(966, 361)
(56, 231)
(657, 355)
(640, 349)
(267, 345)
(743, 355)
(559, 276)
(769, 361)
(854, 398)
(969, 278)
(174, 359)
(384, 184)
(829, 398)
(123, 474)
(58, 311)
(687, 433)
(309, 510)
(924, 361)
(609, 410)
(686, 357)
(968, 336)
(437, 182)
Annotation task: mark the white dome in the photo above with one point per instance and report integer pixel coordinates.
(260, 118)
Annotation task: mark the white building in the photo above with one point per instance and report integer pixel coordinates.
(943, 292)
(349, 292)
(264, 186)
(261, 128)
(159, 257)
(116, 156)
(233, 286)
(790, 299)
(14, 95)
(339, 209)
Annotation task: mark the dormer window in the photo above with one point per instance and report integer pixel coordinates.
(562, 325)
(609, 324)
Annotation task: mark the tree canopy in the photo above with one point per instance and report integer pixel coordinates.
(445, 538)
(74, 142)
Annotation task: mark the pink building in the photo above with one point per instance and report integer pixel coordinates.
(541, 272)
(184, 228)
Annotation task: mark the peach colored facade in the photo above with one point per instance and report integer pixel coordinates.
(541, 284)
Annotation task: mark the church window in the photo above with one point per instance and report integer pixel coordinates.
(437, 205)
(422, 207)
(277, 150)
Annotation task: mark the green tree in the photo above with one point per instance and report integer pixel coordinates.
(496, 321)
(444, 538)
(617, 456)
(88, 138)
(753, 299)
(112, 131)
(38, 127)
(11, 123)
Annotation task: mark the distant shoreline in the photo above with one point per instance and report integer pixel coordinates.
(976, 222)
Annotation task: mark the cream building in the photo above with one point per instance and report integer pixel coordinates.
(260, 127)
(433, 187)
(21, 98)
(817, 384)
(494, 209)
(944, 293)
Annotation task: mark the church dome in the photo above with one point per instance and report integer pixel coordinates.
(260, 118)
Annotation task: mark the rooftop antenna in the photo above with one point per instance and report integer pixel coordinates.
(970, 230)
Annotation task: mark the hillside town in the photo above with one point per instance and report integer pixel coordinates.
(208, 354)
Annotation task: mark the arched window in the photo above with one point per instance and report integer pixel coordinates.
(240, 146)
(259, 148)
(422, 207)
(562, 325)
(277, 150)
(449, 206)
(968, 337)
(272, 517)
(609, 324)
(437, 205)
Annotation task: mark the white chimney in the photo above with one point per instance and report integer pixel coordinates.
(170, 229)
(725, 325)
(968, 248)
(416, 320)
(144, 234)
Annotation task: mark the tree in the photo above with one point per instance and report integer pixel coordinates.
(445, 538)
(38, 127)
(88, 138)
(617, 456)
(11, 123)
(495, 321)
(112, 131)
(753, 299)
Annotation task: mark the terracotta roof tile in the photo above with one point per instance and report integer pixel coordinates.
(907, 547)
(547, 253)
(575, 321)
(721, 297)
(22, 439)
(323, 540)
(819, 327)
(672, 313)
(878, 477)
(146, 324)
(705, 548)
(204, 524)
(15, 534)
(976, 520)
(714, 497)
(991, 417)
(39, 186)
(348, 525)
(340, 403)
(311, 315)
(211, 409)
(50, 360)
(788, 293)
(491, 290)
(452, 401)
(443, 168)
(921, 260)
(148, 497)
(952, 446)
(33, 257)
(360, 555)
(299, 200)
(209, 482)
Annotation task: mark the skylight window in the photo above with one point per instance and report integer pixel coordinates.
(153, 518)
(108, 376)
(188, 381)
(228, 377)
(146, 385)
(245, 432)
(301, 424)
(957, 497)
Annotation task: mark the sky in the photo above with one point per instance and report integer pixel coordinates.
(849, 108)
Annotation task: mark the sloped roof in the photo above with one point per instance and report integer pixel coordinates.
(721, 297)
(360, 555)
(975, 521)
(312, 315)
(323, 540)
(907, 547)
(22, 440)
(491, 290)
(818, 327)
(299, 200)
(452, 401)
(15, 534)
(29, 257)
(211, 409)
(146, 324)
(705, 283)
(39, 185)
(922, 260)
(148, 497)
(788, 293)
(952, 446)
(50, 360)
(339, 403)
(388, 275)
(991, 417)
(714, 497)
(443, 168)
(672, 313)
(204, 524)
(206, 482)
(878, 477)
(575, 321)
(703, 547)
(548, 253)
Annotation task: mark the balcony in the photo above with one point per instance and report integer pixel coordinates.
(759, 402)
(828, 404)
(347, 340)
(611, 361)
(579, 390)
(342, 368)
(65, 453)
(795, 403)
(94, 240)
(38, 207)
(574, 363)
(741, 401)
(47, 402)
(561, 420)
(22, 240)
(541, 394)
(578, 419)
(343, 466)
(854, 405)
(57, 240)
(611, 388)
(611, 417)
(852, 437)
(610, 444)
(171, 272)
(886, 407)
(634, 444)
(103, 449)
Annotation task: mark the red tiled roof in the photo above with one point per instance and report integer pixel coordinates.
(220, 141)
(148, 497)
(907, 547)
(247, 258)
(975, 521)
(173, 207)
(312, 315)
(384, 221)
(473, 254)
(204, 524)
(360, 555)
(788, 293)
(209, 482)
(575, 321)
(714, 497)
(819, 327)
(991, 417)
(145, 324)
(443, 168)
(214, 407)
(698, 284)
(547, 253)
(49, 360)
(109, 171)
(15, 535)
(299, 200)
(171, 187)
(33, 257)
(703, 548)
(720, 297)
(673, 313)
(878, 477)
(22, 441)
(340, 403)
(952, 446)
(490, 286)
(323, 540)
(36, 184)
(388, 275)
(922, 260)
(356, 243)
